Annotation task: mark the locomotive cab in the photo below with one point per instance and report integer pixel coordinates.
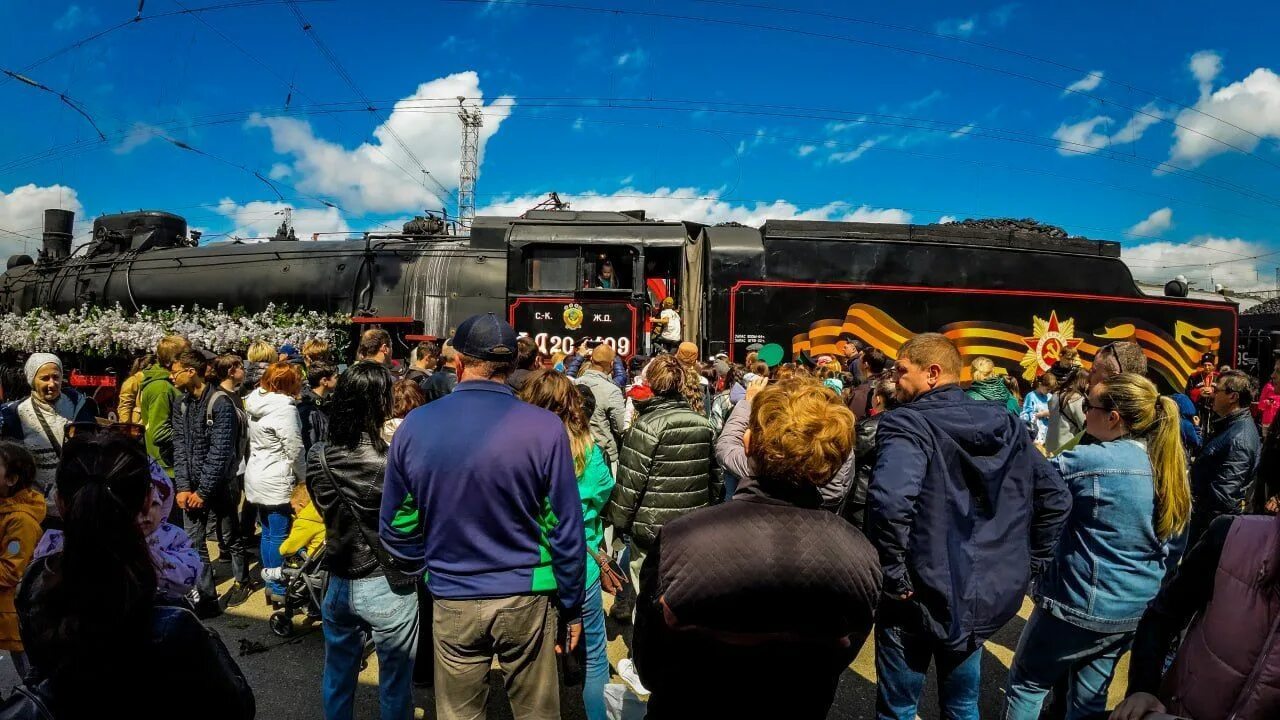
(596, 277)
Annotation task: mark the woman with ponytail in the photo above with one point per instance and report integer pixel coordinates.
(1130, 497)
(90, 615)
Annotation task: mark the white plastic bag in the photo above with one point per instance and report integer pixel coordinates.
(621, 703)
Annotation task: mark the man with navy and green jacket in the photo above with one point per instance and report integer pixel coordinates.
(498, 529)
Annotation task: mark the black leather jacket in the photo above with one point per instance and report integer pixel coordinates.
(1223, 472)
(349, 498)
(854, 508)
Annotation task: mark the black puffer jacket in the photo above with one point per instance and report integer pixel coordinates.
(764, 591)
(664, 469)
(349, 498)
(206, 445)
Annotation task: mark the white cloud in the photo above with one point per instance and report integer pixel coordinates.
(627, 180)
(1155, 224)
(578, 124)
(260, 218)
(756, 141)
(71, 19)
(805, 150)
(838, 127)
(946, 219)
(848, 156)
(140, 134)
(1087, 83)
(1207, 261)
(22, 211)
(996, 18)
(1245, 110)
(632, 58)
(1205, 65)
(962, 131)
(1085, 138)
(367, 178)
(960, 27)
(280, 171)
(1001, 15)
(690, 203)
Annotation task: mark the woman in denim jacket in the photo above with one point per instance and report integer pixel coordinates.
(1130, 497)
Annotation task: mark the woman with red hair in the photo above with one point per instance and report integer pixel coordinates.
(275, 450)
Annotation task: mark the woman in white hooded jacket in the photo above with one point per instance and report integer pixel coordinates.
(275, 463)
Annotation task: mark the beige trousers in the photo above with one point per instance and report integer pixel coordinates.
(520, 632)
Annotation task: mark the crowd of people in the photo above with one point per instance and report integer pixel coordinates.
(754, 524)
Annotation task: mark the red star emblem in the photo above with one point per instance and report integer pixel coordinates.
(1048, 345)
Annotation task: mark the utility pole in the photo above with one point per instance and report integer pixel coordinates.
(471, 119)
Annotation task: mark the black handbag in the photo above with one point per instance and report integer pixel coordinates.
(397, 579)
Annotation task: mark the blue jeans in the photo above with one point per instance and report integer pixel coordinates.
(902, 662)
(1051, 650)
(352, 609)
(593, 634)
(275, 521)
(730, 485)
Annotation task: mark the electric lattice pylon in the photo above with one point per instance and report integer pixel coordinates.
(471, 121)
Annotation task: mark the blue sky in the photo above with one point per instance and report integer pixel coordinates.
(706, 111)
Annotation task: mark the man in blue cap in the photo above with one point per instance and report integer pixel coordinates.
(481, 494)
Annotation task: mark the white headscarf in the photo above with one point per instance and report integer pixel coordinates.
(37, 361)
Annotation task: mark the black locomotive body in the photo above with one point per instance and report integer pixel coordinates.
(1017, 296)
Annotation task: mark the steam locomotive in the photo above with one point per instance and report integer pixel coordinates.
(1017, 295)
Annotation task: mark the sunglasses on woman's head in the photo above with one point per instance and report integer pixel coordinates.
(1087, 406)
(133, 431)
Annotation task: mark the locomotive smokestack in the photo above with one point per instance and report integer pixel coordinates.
(57, 233)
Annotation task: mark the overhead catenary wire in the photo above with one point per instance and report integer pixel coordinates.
(840, 144)
(342, 73)
(1109, 78)
(831, 115)
(291, 87)
(66, 100)
(139, 18)
(1155, 117)
(258, 175)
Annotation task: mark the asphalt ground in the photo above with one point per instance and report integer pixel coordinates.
(285, 673)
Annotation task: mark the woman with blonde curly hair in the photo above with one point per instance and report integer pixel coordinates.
(1130, 497)
(767, 591)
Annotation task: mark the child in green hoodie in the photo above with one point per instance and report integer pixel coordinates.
(989, 386)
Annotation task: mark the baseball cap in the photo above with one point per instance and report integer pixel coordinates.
(755, 347)
(485, 337)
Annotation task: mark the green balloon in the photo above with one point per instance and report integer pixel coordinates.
(770, 354)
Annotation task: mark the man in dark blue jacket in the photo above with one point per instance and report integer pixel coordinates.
(1223, 472)
(963, 511)
(481, 493)
(206, 455)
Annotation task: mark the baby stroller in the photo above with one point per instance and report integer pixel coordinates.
(305, 578)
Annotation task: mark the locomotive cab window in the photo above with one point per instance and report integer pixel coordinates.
(552, 268)
(662, 274)
(607, 269)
